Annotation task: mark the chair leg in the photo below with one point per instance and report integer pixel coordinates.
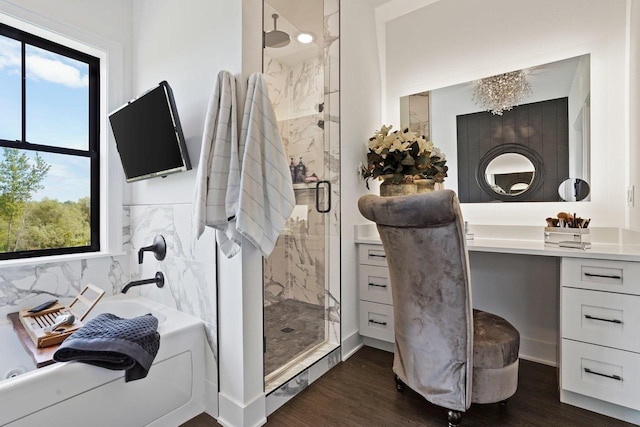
(454, 418)
(399, 383)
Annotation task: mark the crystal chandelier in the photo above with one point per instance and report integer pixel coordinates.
(501, 92)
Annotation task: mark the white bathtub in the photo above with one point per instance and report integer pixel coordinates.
(73, 394)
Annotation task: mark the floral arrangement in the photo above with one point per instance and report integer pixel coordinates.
(403, 157)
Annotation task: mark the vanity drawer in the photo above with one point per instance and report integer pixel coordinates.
(372, 255)
(373, 282)
(601, 275)
(376, 321)
(601, 318)
(601, 372)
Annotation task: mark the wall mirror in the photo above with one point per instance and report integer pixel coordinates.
(549, 127)
(510, 172)
(574, 190)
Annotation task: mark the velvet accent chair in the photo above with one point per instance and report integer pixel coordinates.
(444, 350)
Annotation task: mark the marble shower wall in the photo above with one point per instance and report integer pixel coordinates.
(297, 92)
(296, 268)
(332, 161)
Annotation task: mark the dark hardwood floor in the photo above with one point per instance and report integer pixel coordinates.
(361, 392)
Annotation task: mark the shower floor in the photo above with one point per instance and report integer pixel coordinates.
(291, 327)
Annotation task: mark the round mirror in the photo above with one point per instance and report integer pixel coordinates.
(573, 190)
(509, 174)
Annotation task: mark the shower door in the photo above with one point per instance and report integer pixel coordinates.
(301, 300)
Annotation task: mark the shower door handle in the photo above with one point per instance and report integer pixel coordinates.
(323, 185)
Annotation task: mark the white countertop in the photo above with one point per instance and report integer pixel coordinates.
(610, 244)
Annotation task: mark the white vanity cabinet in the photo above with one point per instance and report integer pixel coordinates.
(600, 330)
(594, 336)
(376, 309)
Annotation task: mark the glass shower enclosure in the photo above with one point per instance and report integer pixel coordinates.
(301, 276)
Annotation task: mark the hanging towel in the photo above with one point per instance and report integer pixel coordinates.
(266, 191)
(114, 343)
(218, 177)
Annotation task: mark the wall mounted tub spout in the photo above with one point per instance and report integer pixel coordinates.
(159, 249)
(158, 280)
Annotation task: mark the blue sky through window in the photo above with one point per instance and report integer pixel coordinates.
(57, 100)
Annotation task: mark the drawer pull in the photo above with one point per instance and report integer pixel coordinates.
(377, 286)
(603, 320)
(613, 377)
(605, 276)
(377, 256)
(377, 323)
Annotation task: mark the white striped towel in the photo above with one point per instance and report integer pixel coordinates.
(218, 177)
(266, 191)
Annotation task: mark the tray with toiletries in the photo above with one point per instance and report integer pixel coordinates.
(568, 231)
(51, 323)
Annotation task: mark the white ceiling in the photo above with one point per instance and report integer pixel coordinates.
(296, 16)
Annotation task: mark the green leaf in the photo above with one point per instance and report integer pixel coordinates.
(408, 161)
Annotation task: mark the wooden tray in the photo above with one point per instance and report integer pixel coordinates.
(35, 324)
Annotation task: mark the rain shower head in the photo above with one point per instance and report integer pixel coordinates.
(276, 38)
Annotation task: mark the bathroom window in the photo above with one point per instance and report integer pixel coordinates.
(49, 147)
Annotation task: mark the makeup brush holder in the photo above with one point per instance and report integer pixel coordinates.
(564, 237)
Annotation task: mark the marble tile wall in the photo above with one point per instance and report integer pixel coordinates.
(296, 268)
(25, 286)
(189, 266)
(332, 162)
(296, 91)
(419, 113)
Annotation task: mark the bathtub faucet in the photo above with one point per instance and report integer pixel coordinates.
(159, 249)
(158, 280)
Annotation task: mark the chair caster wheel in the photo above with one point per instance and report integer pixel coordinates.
(399, 384)
(454, 418)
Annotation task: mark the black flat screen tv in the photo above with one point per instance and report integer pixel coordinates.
(148, 135)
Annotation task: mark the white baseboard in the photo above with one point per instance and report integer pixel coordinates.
(601, 407)
(350, 345)
(538, 351)
(234, 414)
(380, 345)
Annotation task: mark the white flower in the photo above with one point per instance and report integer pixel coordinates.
(384, 130)
(409, 136)
(399, 145)
(436, 152)
(425, 146)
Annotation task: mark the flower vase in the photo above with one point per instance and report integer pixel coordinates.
(424, 185)
(388, 188)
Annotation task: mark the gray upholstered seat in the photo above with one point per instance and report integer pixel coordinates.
(444, 350)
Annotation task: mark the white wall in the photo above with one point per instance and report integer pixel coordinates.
(359, 118)
(634, 110)
(454, 41)
(187, 44)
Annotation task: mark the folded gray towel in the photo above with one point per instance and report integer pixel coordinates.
(114, 343)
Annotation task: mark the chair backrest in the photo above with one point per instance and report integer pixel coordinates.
(424, 242)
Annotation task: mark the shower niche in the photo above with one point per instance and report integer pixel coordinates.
(301, 277)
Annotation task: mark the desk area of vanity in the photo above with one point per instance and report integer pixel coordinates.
(590, 297)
